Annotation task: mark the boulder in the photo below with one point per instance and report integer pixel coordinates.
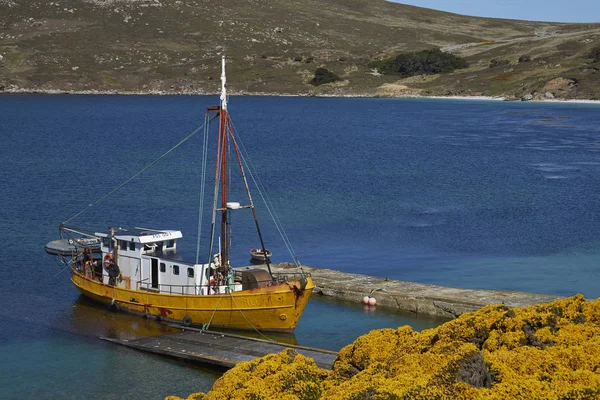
(527, 97)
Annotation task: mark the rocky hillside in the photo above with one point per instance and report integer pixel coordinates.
(174, 45)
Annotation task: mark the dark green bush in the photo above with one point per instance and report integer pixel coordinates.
(323, 76)
(524, 58)
(432, 61)
(595, 54)
(497, 62)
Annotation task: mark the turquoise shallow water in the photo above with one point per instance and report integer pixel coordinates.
(467, 194)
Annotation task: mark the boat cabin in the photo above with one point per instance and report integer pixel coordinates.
(147, 260)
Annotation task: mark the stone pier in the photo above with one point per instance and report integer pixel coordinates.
(409, 296)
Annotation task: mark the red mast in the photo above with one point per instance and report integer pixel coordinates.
(221, 178)
(225, 241)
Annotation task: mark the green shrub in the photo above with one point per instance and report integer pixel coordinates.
(595, 54)
(497, 62)
(432, 61)
(524, 58)
(323, 76)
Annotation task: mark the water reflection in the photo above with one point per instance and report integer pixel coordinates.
(92, 319)
(327, 323)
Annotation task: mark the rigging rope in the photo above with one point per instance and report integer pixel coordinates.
(137, 174)
(79, 232)
(247, 320)
(202, 184)
(207, 325)
(265, 197)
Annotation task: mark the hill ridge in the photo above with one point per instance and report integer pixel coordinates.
(173, 46)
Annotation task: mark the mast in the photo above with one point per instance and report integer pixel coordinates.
(226, 140)
(225, 240)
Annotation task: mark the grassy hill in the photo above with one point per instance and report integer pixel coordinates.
(276, 45)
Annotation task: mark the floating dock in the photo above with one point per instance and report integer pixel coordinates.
(219, 349)
(409, 296)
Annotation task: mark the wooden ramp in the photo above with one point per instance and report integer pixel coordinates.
(219, 349)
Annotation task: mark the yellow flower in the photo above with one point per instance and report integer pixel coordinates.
(547, 351)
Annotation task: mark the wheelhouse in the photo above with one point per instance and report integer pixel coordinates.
(147, 259)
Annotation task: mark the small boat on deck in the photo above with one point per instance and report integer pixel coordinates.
(260, 254)
(138, 270)
(68, 247)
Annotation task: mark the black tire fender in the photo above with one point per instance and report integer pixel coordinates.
(187, 321)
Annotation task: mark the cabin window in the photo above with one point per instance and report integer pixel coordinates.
(132, 245)
(163, 267)
(175, 269)
(171, 244)
(190, 272)
(122, 245)
(106, 242)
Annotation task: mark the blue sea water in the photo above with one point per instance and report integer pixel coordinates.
(458, 193)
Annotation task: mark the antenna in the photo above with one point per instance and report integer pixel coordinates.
(223, 85)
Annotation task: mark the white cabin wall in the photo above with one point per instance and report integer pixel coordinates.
(164, 278)
(128, 267)
(190, 281)
(145, 273)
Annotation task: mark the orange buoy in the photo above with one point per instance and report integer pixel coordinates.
(107, 260)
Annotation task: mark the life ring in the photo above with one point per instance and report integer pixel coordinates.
(107, 260)
(187, 321)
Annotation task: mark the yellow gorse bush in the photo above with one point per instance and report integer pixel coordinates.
(548, 351)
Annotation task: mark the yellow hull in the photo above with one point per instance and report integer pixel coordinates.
(274, 308)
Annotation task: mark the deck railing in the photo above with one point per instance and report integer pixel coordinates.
(146, 285)
(280, 277)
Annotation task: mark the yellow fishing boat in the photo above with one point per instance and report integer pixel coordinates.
(138, 270)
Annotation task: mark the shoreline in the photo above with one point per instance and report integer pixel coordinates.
(94, 92)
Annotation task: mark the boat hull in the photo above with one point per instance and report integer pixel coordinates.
(274, 308)
(259, 255)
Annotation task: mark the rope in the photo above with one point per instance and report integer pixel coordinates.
(137, 174)
(79, 232)
(248, 321)
(65, 265)
(202, 185)
(207, 325)
(265, 197)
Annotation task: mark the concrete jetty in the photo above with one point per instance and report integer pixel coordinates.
(410, 296)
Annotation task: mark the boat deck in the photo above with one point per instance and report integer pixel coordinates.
(219, 349)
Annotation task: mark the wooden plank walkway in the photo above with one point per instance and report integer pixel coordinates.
(219, 349)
